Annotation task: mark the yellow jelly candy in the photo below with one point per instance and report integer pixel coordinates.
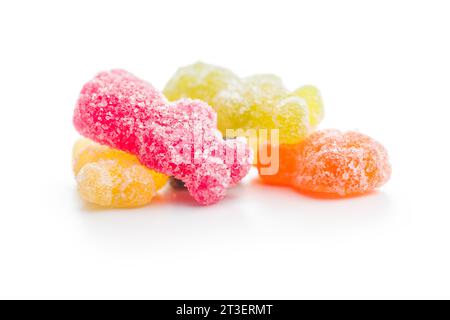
(256, 102)
(112, 178)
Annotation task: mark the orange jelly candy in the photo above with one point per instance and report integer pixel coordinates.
(332, 162)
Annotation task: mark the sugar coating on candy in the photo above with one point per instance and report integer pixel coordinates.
(256, 102)
(113, 178)
(86, 151)
(179, 139)
(333, 162)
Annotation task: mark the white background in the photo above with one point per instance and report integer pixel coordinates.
(383, 68)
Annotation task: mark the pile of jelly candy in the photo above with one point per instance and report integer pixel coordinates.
(178, 139)
(136, 138)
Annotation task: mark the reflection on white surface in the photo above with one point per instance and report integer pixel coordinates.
(251, 210)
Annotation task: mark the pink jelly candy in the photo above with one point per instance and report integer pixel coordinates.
(179, 139)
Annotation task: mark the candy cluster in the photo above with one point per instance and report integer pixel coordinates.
(136, 138)
(179, 139)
